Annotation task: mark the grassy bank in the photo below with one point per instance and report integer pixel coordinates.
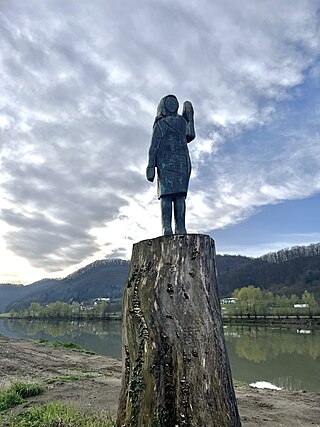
(15, 395)
(92, 384)
(70, 345)
(54, 414)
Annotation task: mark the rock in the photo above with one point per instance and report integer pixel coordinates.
(176, 369)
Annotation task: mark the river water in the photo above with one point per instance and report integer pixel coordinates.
(287, 358)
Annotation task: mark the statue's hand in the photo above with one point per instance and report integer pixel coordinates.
(187, 111)
(150, 173)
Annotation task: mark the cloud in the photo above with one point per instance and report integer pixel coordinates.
(79, 91)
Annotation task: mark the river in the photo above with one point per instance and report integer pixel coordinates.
(287, 358)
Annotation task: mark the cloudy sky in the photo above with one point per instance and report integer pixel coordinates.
(80, 82)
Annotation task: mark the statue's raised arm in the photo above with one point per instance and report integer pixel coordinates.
(188, 114)
(169, 154)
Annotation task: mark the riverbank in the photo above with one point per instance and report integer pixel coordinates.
(286, 321)
(92, 383)
(258, 320)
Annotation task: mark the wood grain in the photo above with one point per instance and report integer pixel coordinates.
(176, 370)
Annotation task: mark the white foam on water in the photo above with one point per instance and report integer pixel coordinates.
(265, 384)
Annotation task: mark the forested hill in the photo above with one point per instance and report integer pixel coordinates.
(288, 271)
(285, 272)
(10, 293)
(227, 263)
(290, 254)
(102, 278)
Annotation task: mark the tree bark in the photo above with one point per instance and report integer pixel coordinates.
(176, 369)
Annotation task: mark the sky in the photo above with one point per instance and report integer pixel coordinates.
(79, 86)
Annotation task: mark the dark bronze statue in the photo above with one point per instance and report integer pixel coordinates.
(170, 155)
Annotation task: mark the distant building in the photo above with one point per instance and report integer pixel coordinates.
(100, 300)
(228, 300)
(86, 305)
(301, 305)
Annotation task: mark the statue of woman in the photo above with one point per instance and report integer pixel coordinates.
(170, 155)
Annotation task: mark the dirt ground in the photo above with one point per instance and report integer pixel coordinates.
(99, 386)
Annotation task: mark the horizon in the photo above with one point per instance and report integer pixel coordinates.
(80, 88)
(129, 260)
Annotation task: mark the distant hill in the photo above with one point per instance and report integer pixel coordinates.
(288, 271)
(227, 263)
(284, 272)
(9, 293)
(102, 278)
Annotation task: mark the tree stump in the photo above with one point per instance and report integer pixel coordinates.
(176, 369)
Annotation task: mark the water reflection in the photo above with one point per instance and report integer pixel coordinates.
(286, 358)
(260, 344)
(101, 337)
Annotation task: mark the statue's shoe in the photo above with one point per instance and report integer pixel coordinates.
(167, 231)
(180, 231)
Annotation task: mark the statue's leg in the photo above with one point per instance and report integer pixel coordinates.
(180, 214)
(166, 215)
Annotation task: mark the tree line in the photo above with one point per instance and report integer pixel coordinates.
(251, 300)
(61, 310)
(289, 254)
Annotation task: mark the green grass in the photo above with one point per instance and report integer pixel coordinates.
(56, 414)
(17, 393)
(70, 345)
(26, 390)
(9, 399)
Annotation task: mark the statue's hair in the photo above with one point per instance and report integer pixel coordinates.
(161, 109)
